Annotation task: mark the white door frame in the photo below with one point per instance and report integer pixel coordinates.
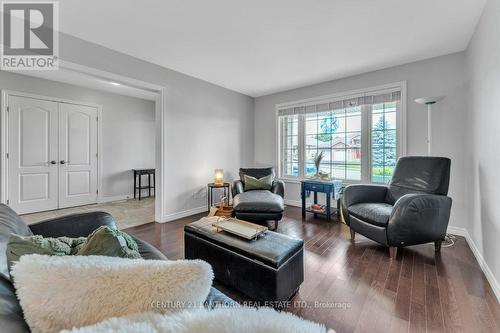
(4, 128)
(160, 107)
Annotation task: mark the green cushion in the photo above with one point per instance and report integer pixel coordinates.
(18, 245)
(252, 183)
(103, 241)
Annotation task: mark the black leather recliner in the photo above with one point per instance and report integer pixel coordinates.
(413, 209)
(77, 225)
(258, 205)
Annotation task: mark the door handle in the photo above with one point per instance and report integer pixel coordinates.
(53, 162)
(63, 162)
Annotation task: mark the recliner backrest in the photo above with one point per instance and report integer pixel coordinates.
(256, 172)
(419, 174)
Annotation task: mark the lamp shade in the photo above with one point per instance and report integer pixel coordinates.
(429, 100)
(219, 177)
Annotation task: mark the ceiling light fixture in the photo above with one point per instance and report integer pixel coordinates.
(115, 83)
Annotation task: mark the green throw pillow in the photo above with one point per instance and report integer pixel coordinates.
(252, 183)
(103, 241)
(21, 245)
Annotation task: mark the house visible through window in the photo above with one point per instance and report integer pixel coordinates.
(358, 135)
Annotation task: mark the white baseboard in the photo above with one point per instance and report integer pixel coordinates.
(179, 215)
(479, 257)
(457, 231)
(115, 198)
(293, 203)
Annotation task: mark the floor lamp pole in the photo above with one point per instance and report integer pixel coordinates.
(429, 129)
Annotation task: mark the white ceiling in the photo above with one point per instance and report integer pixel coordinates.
(258, 47)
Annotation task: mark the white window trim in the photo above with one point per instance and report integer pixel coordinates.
(401, 130)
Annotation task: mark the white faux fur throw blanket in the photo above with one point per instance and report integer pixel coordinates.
(62, 292)
(221, 320)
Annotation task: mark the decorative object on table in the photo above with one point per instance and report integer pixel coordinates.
(270, 268)
(429, 101)
(330, 188)
(210, 193)
(219, 177)
(224, 209)
(317, 208)
(138, 173)
(258, 205)
(107, 287)
(413, 209)
(212, 321)
(239, 227)
(318, 157)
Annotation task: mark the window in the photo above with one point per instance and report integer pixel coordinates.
(360, 135)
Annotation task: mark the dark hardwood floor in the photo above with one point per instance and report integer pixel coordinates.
(357, 288)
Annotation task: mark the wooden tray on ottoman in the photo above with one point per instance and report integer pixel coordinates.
(240, 228)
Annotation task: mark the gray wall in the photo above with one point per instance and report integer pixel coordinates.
(483, 63)
(207, 126)
(439, 76)
(128, 128)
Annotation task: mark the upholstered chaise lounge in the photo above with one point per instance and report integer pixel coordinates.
(258, 205)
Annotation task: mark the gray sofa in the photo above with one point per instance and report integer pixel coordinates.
(413, 209)
(78, 225)
(258, 205)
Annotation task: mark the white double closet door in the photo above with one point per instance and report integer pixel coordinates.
(52, 159)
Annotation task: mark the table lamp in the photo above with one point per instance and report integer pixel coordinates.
(219, 176)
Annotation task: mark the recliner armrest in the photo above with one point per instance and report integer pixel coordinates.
(75, 225)
(419, 218)
(237, 187)
(278, 188)
(354, 194)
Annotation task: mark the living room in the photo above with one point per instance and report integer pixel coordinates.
(347, 170)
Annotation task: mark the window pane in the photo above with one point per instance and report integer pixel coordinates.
(289, 145)
(311, 141)
(312, 127)
(390, 118)
(353, 171)
(384, 141)
(353, 123)
(339, 155)
(338, 171)
(310, 169)
(310, 154)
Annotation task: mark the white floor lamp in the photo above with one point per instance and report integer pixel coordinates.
(449, 240)
(429, 101)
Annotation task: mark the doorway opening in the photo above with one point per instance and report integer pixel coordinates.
(62, 170)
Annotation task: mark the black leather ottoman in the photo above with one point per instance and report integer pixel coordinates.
(270, 268)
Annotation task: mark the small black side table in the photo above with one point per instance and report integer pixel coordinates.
(211, 186)
(316, 186)
(138, 173)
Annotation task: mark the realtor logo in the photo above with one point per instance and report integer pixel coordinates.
(30, 39)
